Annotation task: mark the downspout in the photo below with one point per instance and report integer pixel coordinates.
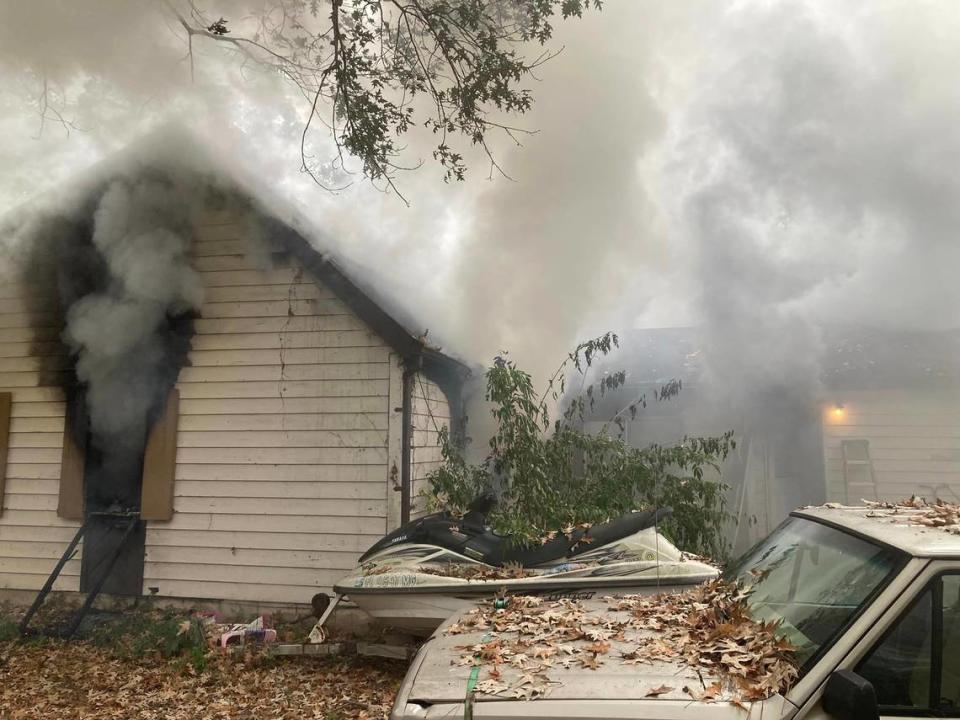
(411, 366)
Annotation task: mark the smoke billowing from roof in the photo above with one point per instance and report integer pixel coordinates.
(811, 183)
(128, 334)
(755, 169)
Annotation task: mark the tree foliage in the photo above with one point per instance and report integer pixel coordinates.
(550, 475)
(371, 70)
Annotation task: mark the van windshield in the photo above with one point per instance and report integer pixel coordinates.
(812, 579)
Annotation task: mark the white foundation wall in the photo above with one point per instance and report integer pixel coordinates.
(431, 412)
(913, 437)
(32, 537)
(282, 446)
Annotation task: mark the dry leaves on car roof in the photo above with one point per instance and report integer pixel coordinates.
(707, 629)
(915, 511)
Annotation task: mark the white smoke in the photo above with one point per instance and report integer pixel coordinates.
(754, 168)
(119, 333)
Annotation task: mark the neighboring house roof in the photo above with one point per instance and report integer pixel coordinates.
(286, 227)
(863, 358)
(851, 357)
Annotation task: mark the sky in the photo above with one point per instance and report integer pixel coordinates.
(753, 168)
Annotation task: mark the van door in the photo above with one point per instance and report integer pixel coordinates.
(915, 666)
(912, 655)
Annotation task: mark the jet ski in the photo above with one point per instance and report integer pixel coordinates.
(420, 574)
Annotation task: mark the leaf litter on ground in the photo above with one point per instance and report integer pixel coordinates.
(149, 662)
(54, 679)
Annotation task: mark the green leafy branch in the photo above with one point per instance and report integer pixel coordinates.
(552, 475)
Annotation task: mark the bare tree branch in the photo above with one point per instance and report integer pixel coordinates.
(373, 60)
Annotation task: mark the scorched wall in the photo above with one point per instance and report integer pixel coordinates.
(288, 438)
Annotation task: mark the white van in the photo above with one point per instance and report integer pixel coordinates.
(869, 596)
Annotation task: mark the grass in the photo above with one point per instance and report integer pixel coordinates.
(142, 632)
(8, 629)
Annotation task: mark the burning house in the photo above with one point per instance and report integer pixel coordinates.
(198, 397)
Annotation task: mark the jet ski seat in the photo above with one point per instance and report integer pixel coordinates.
(474, 521)
(470, 536)
(596, 536)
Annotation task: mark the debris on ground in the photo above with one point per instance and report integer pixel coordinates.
(257, 630)
(527, 642)
(50, 679)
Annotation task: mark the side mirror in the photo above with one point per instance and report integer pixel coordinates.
(850, 697)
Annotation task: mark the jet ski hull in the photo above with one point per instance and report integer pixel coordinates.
(415, 587)
(421, 609)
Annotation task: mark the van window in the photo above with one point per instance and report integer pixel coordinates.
(915, 667)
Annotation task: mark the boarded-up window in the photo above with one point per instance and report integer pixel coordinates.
(159, 463)
(6, 401)
(73, 460)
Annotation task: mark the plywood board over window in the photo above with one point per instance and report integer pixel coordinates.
(6, 401)
(160, 463)
(72, 461)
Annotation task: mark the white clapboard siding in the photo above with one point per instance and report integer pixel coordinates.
(272, 439)
(286, 357)
(283, 389)
(32, 537)
(275, 456)
(914, 443)
(234, 278)
(256, 523)
(302, 291)
(431, 411)
(286, 489)
(261, 373)
(294, 421)
(304, 559)
(34, 486)
(281, 468)
(278, 506)
(280, 473)
(161, 536)
(240, 590)
(283, 406)
(286, 308)
(286, 324)
(287, 340)
(310, 579)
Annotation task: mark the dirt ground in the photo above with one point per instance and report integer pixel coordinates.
(52, 679)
